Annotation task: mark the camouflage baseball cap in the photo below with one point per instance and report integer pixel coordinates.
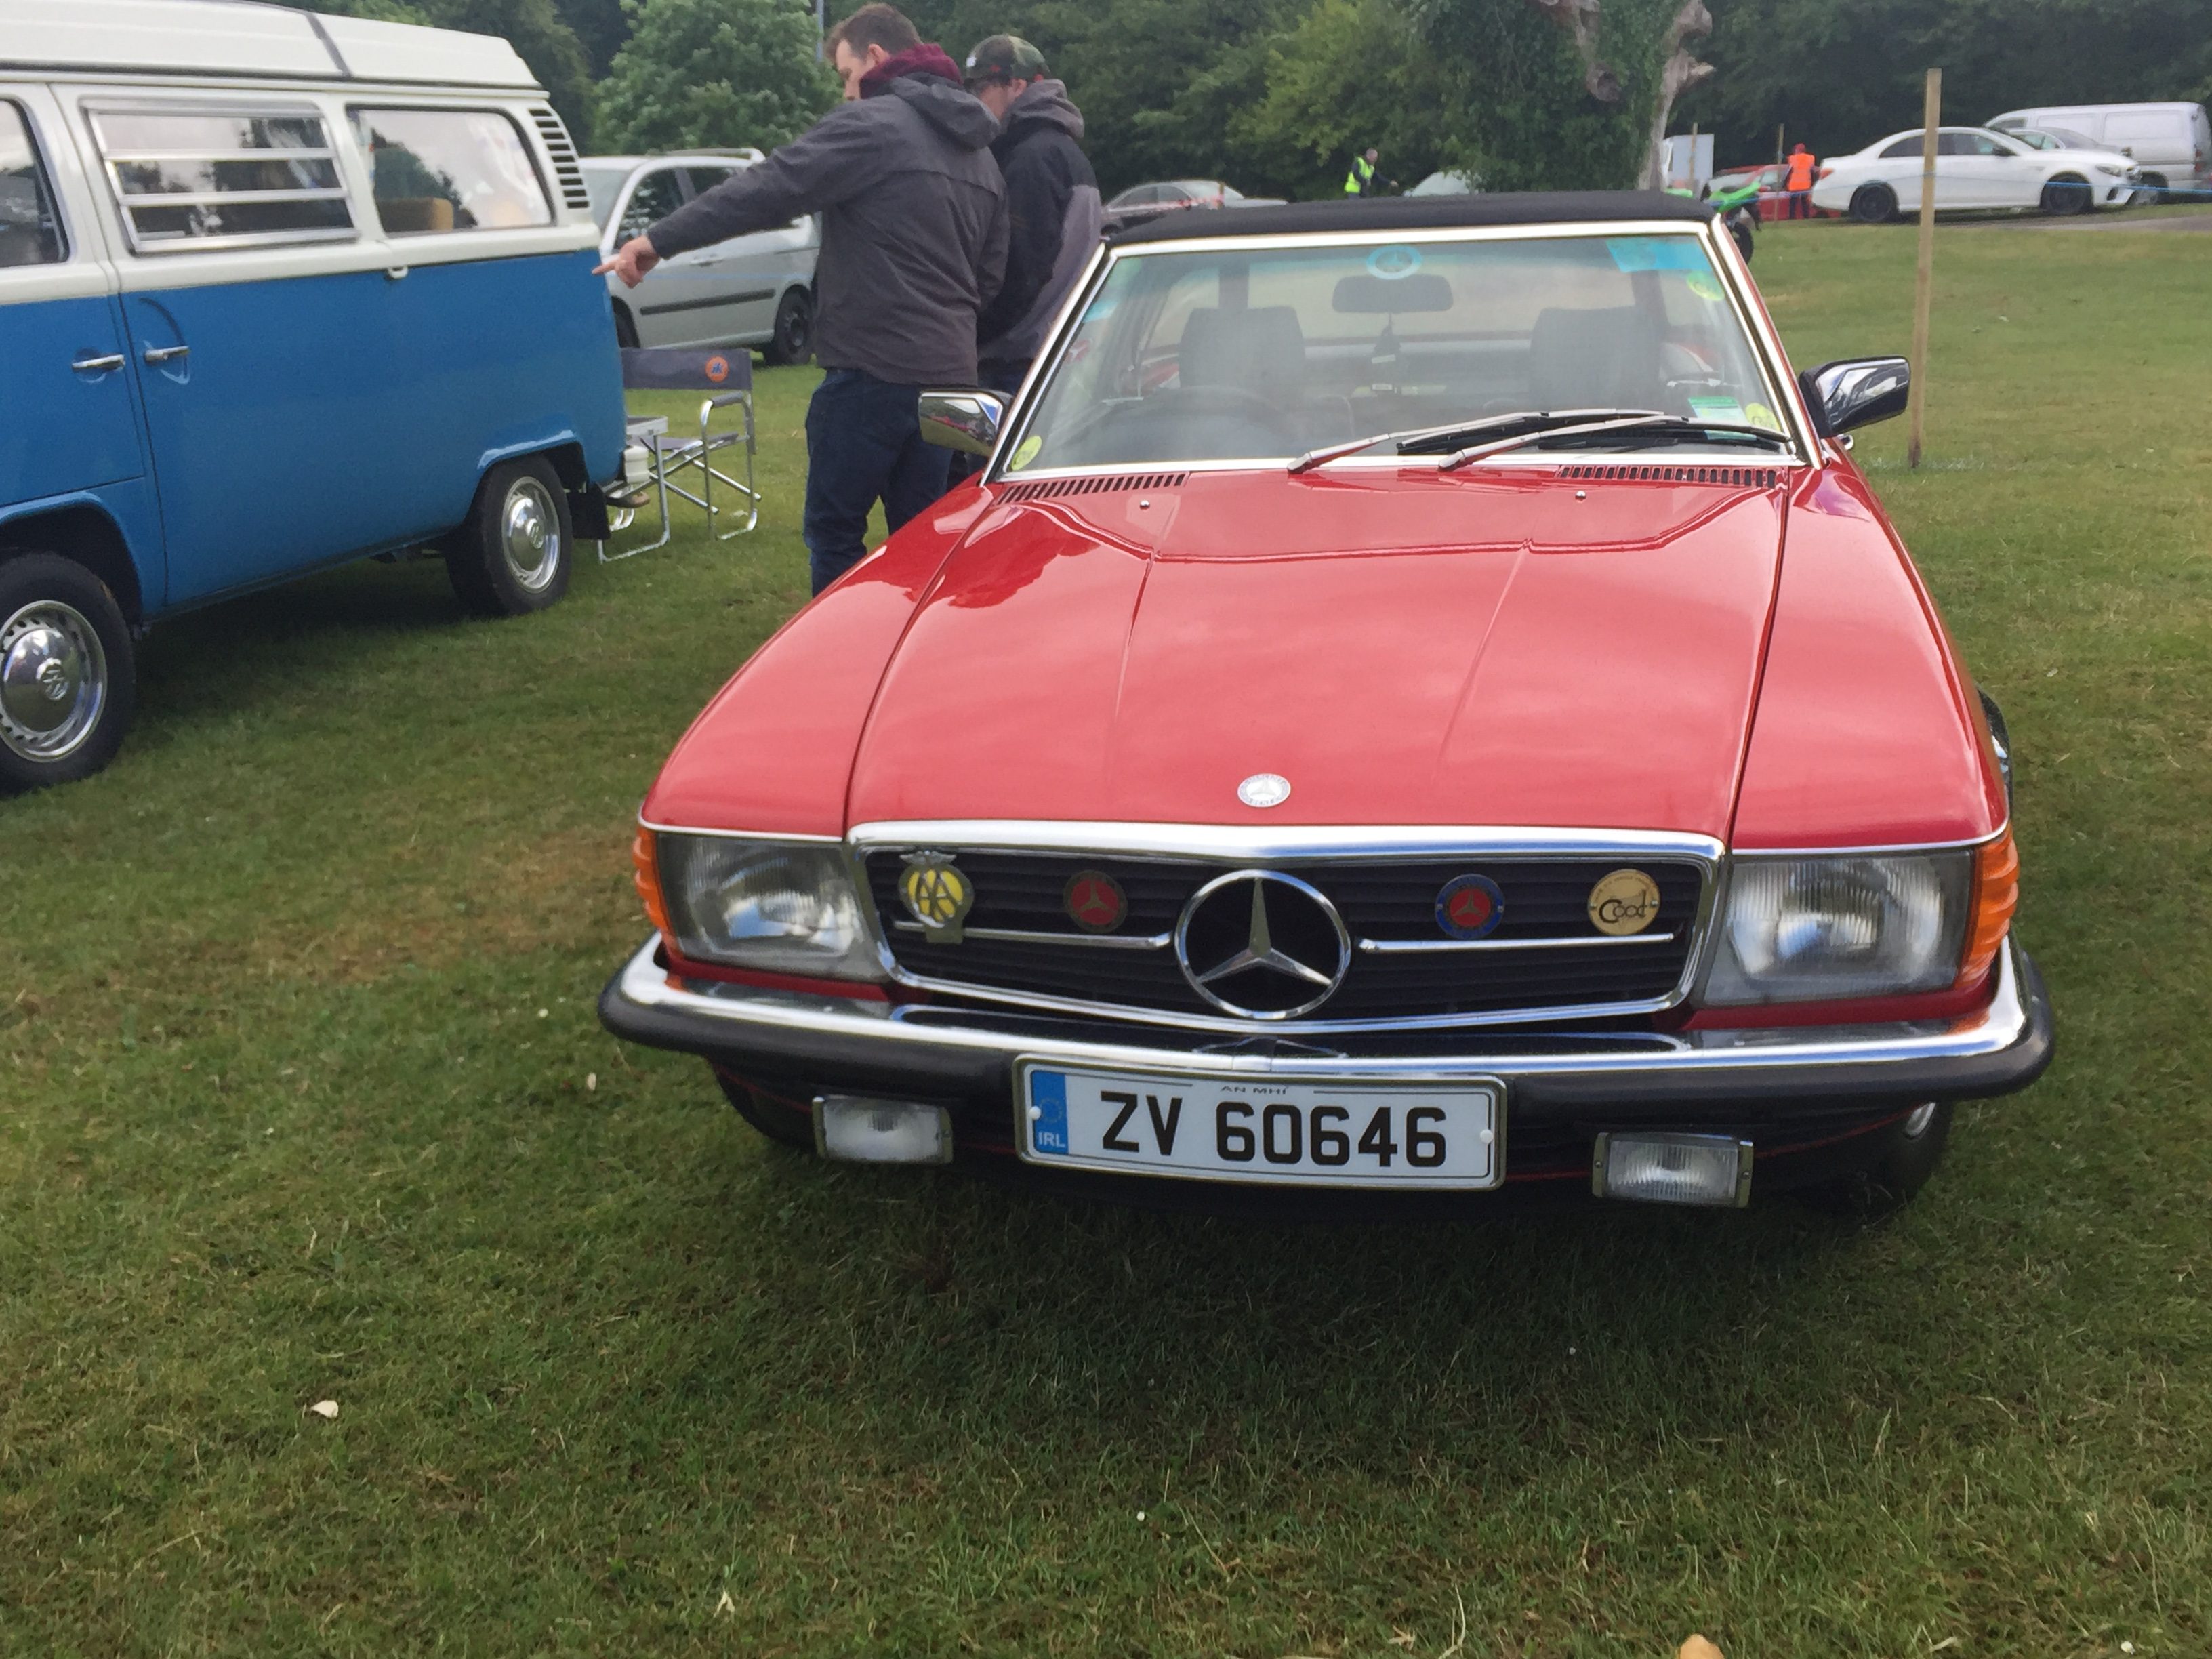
(1003, 58)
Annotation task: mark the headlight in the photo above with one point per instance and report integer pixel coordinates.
(2112, 172)
(780, 906)
(1797, 929)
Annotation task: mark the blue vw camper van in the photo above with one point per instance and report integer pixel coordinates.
(277, 291)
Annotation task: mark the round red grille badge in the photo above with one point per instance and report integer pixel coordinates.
(1095, 901)
(1469, 907)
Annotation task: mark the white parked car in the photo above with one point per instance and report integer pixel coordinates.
(2171, 143)
(1975, 169)
(755, 290)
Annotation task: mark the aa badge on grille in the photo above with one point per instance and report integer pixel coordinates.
(938, 894)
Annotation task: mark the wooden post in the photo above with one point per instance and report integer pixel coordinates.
(1924, 293)
(1778, 132)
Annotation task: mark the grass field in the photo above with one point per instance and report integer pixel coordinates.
(302, 1097)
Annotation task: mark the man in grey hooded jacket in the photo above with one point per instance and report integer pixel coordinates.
(914, 245)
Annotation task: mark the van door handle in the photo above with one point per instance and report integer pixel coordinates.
(164, 354)
(98, 364)
(395, 273)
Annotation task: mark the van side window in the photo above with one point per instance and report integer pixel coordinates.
(30, 229)
(192, 179)
(439, 170)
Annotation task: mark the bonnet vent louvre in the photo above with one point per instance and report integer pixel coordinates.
(563, 152)
(1047, 488)
(1748, 478)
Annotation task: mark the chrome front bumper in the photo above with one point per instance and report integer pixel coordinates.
(834, 1042)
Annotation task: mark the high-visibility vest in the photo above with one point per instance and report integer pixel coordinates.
(1362, 174)
(1801, 172)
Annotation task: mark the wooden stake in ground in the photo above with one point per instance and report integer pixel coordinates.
(1924, 285)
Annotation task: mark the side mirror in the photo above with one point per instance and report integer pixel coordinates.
(967, 420)
(1856, 391)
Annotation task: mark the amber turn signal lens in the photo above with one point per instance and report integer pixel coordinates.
(1997, 895)
(647, 867)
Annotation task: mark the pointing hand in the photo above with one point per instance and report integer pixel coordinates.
(630, 262)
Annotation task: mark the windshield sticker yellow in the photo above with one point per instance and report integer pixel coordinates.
(1703, 286)
(1760, 415)
(1394, 263)
(1718, 408)
(1025, 453)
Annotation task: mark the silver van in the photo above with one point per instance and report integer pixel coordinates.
(755, 290)
(2171, 143)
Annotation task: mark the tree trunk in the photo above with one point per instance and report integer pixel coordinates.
(1579, 18)
(1681, 72)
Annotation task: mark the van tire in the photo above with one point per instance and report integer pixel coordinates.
(625, 330)
(57, 617)
(793, 342)
(2154, 184)
(1873, 204)
(514, 554)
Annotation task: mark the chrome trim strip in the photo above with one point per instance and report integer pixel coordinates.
(1392, 947)
(1026, 936)
(644, 983)
(1997, 833)
(645, 823)
(1258, 844)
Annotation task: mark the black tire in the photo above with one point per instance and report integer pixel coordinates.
(1746, 242)
(69, 679)
(794, 339)
(782, 1124)
(514, 554)
(2068, 195)
(1913, 1148)
(625, 328)
(1873, 204)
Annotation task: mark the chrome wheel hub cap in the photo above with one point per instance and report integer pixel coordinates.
(54, 680)
(530, 534)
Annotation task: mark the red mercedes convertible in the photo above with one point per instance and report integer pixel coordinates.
(1419, 706)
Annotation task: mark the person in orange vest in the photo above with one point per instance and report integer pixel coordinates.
(1803, 167)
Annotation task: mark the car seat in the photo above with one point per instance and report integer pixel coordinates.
(1593, 359)
(1260, 349)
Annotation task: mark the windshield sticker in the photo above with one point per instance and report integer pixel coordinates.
(1703, 286)
(1635, 253)
(1025, 453)
(1760, 415)
(1395, 262)
(1718, 409)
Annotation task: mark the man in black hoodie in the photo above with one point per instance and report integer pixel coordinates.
(1052, 202)
(914, 245)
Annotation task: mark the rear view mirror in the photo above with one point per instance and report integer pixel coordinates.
(1856, 391)
(1370, 295)
(967, 420)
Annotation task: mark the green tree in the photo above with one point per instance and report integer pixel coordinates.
(601, 26)
(696, 74)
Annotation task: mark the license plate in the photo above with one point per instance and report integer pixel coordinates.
(1290, 1132)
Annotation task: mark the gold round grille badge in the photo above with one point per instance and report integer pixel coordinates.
(938, 894)
(1624, 902)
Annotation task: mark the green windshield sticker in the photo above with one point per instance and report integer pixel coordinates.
(1026, 453)
(1635, 253)
(1760, 415)
(1718, 408)
(1703, 286)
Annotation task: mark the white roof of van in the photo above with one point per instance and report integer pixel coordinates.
(223, 39)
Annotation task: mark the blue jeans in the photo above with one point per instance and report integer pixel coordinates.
(863, 445)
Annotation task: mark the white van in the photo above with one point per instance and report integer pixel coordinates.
(2171, 143)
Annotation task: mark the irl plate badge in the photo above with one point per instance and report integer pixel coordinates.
(938, 894)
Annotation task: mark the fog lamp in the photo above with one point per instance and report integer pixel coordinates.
(1673, 1169)
(862, 1130)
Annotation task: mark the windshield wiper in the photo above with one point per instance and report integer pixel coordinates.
(1637, 428)
(1444, 439)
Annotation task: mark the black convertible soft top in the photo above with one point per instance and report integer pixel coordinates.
(1389, 213)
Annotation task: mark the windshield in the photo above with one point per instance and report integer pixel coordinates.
(604, 184)
(1258, 354)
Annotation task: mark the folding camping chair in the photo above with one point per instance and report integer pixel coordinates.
(727, 373)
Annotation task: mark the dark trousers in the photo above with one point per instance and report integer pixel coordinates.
(863, 445)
